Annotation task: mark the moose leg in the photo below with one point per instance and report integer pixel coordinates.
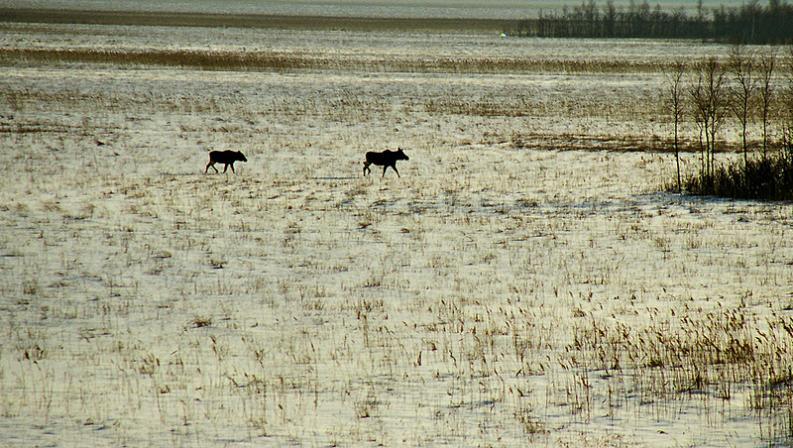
(232, 168)
(366, 168)
(395, 170)
(225, 167)
(384, 168)
(210, 164)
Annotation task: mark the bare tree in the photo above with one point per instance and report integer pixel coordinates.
(675, 104)
(786, 114)
(743, 93)
(717, 101)
(708, 98)
(699, 112)
(767, 65)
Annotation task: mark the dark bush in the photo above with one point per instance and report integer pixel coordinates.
(769, 178)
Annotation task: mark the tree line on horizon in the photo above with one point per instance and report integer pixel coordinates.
(749, 23)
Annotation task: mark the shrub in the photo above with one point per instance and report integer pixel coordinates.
(769, 178)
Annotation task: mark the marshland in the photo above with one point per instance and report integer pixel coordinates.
(529, 280)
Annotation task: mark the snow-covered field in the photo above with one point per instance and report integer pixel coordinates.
(517, 285)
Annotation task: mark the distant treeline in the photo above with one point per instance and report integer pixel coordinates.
(749, 23)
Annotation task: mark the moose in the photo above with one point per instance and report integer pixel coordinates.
(385, 159)
(225, 157)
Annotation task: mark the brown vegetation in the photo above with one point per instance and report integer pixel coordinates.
(263, 21)
(287, 61)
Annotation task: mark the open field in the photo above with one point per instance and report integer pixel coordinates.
(523, 282)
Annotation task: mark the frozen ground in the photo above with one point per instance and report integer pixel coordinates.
(504, 291)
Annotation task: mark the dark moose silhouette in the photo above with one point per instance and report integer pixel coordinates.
(225, 157)
(384, 159)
